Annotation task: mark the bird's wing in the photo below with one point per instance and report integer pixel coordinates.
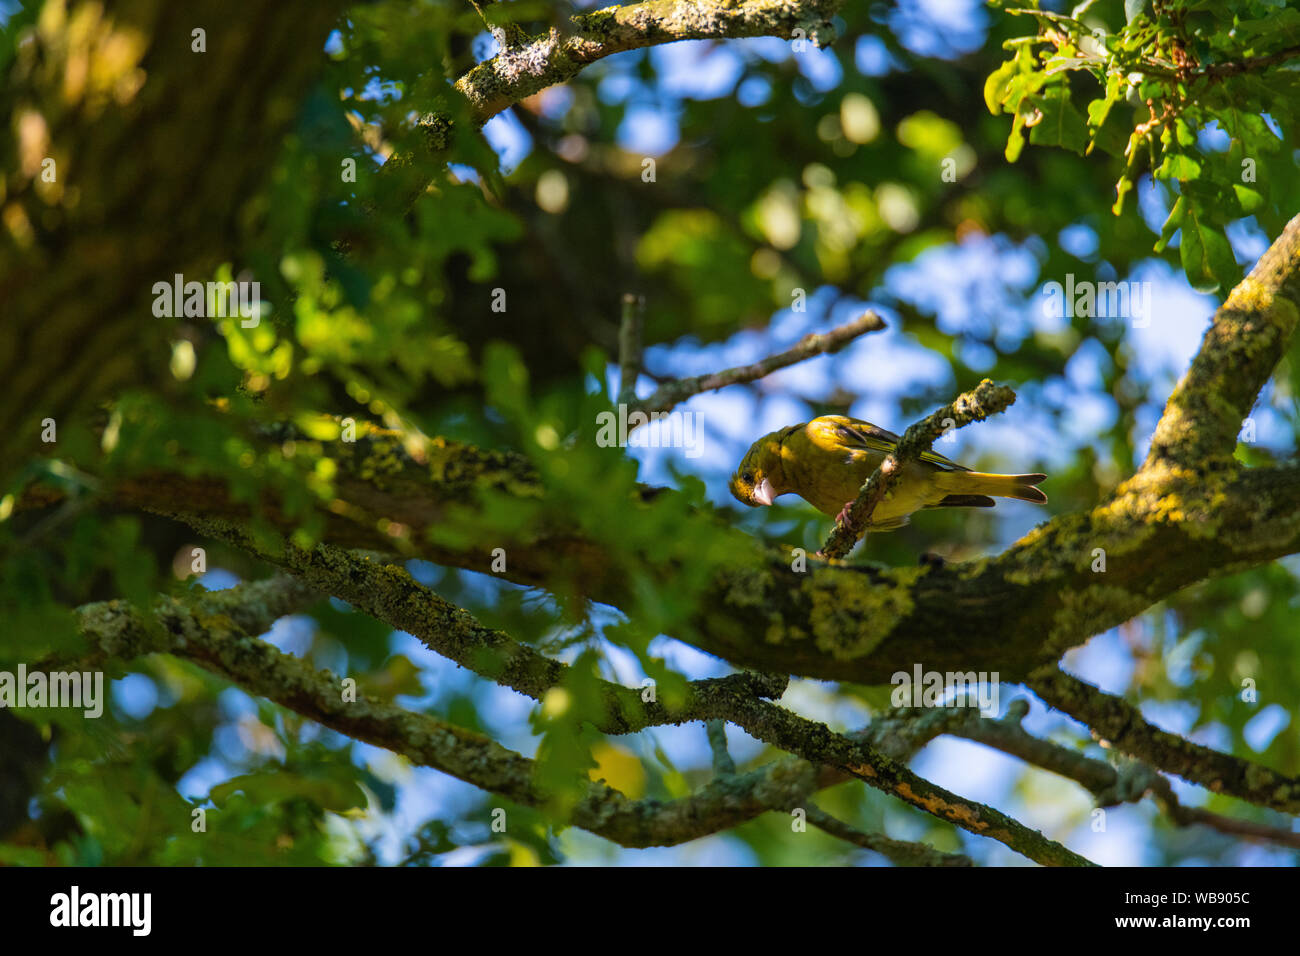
(857, 434)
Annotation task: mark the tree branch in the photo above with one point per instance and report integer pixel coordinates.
(675, 391)
(1250, 64)
(216, 643)
(121, 630)
(1017, 611)
(1108, 784)
(817, 743)
(519, 72)
(388, 593)
(1250, 331)
(629, 346)
(1121, 725)
(899, 852)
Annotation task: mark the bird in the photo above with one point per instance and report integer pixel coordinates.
(825, 462)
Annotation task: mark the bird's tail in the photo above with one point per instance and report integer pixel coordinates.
(999, 486)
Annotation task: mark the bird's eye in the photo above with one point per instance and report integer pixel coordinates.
(747, 478)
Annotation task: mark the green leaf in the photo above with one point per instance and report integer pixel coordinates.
(995, 87)
(331, 788)
(1178, 166)
(1173, 223)
(1207, 255)
(1109, 130)
(1016, 141)
(1250, 199)
(1062, 123)
(506, 378)
(1134, 8)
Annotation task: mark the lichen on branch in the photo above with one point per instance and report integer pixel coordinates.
(519, 71)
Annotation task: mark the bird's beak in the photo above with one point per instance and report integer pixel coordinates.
(763, 492)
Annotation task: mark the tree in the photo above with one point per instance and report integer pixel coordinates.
(278, 317)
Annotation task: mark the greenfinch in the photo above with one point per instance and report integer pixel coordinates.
(825, 462)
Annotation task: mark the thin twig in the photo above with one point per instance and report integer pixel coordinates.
(478, 6)
(1110, 785)
(1169, 70)
(818, 744)
(508, 35)
(630, 346)
(899, 852)
(1122, 725)
(672, 393)
(1247, 829)
(1250, 63)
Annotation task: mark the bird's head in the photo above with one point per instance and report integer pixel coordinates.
(757, 479)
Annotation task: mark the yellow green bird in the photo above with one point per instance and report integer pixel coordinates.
(825, 461)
